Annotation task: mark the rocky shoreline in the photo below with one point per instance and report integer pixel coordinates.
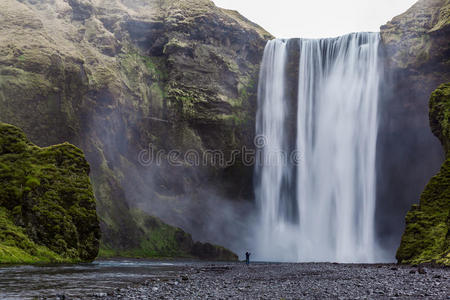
(293, 281)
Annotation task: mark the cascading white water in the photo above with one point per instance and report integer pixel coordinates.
(321, 208)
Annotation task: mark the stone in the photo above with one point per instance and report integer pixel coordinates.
(416, 54)
(112, 77)
(422, 270)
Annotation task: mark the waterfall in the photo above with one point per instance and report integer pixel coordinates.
(317, 99)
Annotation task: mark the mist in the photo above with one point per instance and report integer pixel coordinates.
(218, 204)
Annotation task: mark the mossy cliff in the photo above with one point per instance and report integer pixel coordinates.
(419, 37)
(416, 61)
(427, 234)
(47, 205)
(159, 240)
(47, 210)
(117, 77)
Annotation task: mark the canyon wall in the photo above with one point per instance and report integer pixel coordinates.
(417, 58)
(120, 78)
(427, 235)
(125, 80)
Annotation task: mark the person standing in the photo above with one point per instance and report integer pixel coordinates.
(247, 258)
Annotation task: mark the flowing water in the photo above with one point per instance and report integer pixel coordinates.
(79, 280)
(315, 186)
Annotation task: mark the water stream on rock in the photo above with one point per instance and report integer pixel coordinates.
(317, 123)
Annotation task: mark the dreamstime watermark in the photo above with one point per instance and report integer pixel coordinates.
(261, 155)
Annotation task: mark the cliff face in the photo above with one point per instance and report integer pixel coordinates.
(47, 206)
(417, 56)
(427, 233)
(417, 40)
(118, 77)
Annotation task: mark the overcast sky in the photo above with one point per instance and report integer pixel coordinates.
(317, 18)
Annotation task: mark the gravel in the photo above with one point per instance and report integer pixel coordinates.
(293, 281)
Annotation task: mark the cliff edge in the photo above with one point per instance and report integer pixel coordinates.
(427, 233)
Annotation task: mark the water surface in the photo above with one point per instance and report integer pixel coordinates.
(78, 280)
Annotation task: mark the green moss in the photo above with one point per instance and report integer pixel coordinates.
(187, 100)
(155, 66)
(145, 77)
(32, 182)
(174, 43)
(101, 77)
(440, 114)
(240, 116)
(26, 94)
(443, 18)
(134, 63)
(16, 247)
(417, 38)
(427, 235)
(191, 103)
(158, 240)
(48, 192)
(162, 241)
(56, 90)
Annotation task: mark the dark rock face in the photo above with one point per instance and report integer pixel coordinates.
(127, 76)
(161, 75)
(46, 201)
(427, 234)
(208, 251)
(417, 53)
(417, 40)
(153, 238)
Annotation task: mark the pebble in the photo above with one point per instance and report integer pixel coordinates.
(422, 270)
(100, 295)
(294, 281)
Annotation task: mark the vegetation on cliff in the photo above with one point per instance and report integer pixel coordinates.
(416, 59)
(47, 205)
(418, 37)
(112, 77)
(427, 233)
(159, 240)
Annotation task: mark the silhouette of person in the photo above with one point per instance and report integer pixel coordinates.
(247, 258)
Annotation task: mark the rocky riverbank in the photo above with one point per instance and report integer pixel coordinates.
(293, 281)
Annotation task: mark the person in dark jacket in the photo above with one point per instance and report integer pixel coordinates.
(247, 258)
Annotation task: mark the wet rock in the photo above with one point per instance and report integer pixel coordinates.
(422, 270)
(100, 295)
(416, 51)
(281, 281)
